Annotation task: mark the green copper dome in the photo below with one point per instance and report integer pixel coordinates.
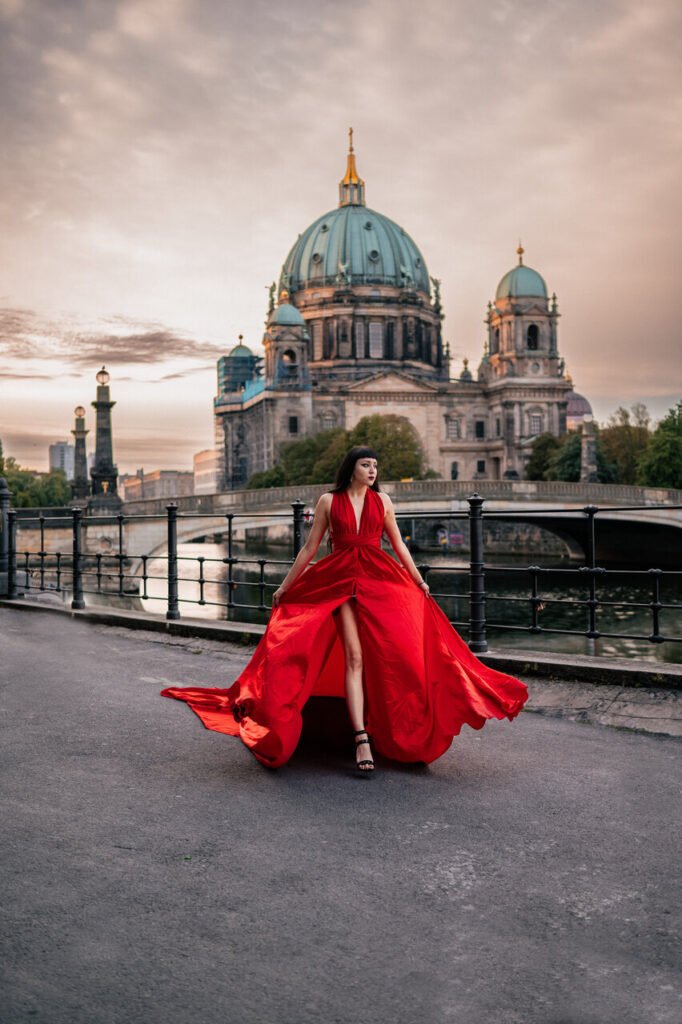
(287, 315)
(354, 245)
(521, 281)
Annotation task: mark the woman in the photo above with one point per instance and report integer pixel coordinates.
(360, 625)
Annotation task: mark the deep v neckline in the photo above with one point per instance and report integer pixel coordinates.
(358, 523)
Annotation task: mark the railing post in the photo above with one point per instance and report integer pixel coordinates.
(477, 638)
(592, 602)
(77, 601)
(173, 611)
(5, 496)
(12, 554)
(298, 507)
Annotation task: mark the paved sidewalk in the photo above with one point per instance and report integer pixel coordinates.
(155, 873)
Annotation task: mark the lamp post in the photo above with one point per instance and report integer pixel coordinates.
(104, 473)
(81, 487)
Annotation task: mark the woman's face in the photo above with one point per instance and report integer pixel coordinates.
(365, 472)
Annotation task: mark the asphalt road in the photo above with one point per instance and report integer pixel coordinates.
(155, 872)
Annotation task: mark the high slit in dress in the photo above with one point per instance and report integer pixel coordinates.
(421, 681)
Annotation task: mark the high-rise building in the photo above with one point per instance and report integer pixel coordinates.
(62, 456)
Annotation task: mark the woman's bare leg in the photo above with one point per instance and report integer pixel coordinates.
(347, 627)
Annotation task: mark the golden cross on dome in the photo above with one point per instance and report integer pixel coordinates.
(350, 140)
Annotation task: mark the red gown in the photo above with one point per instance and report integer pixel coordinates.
(422, 683)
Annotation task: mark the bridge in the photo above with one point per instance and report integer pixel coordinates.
(636, 525)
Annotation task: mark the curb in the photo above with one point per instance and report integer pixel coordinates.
(560, 667)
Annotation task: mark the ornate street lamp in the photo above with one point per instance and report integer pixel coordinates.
(104, 473)
(81, 485)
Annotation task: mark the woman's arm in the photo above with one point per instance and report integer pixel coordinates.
(309, 549)
(398, 544)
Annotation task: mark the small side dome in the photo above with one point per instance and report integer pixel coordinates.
(239, 351)
(577, 405)
(286, 315)
(521, 282)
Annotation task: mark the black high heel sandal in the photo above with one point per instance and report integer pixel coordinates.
(363, 766)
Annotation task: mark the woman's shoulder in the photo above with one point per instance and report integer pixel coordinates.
(385, 499)
(325, 499)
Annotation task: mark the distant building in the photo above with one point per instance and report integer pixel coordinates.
(577, 408)
(62, 456)
(160, 483)
(357, 331)
(206, 466)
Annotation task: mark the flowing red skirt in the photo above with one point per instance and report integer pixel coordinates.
(422, 683)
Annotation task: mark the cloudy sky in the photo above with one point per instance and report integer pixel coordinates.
(160, 157)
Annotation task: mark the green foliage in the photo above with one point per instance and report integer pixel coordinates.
(395, 441)
(36, 490)
(545, 446)
(314, 460)
(661, 463)
(564, 464)
(300, 459)
(624, 441)
(274, 477)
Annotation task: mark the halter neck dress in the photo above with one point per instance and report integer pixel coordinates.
(422, 683)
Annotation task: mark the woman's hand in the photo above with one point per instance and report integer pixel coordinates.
(277, 597)
(424, 587)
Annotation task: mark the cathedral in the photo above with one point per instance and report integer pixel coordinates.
(356, 330)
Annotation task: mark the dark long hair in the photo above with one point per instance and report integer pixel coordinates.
(345, 470)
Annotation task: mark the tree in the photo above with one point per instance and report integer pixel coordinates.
(324, 470)
(565, 463)
(625, 439)
(545, 447)
(273, 477)
(299, 458)
(36, 490)
(314, 460)
(395, 441)
(661, 463)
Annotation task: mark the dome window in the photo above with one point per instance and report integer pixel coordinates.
(374, 255)
(325, 227)
(533, 338)
(317, 258)
(368, 225)
(417, 262)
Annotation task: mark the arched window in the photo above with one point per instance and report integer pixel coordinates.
(454, 471)
(533, 337)
(496, 340)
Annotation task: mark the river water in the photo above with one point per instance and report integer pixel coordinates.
(561, 592)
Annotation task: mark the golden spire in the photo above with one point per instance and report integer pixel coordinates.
(351, 186)
(520, 251)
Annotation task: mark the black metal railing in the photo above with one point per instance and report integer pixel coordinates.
(121, 574)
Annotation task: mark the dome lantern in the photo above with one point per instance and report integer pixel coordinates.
(351, 186)
(521, 281)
